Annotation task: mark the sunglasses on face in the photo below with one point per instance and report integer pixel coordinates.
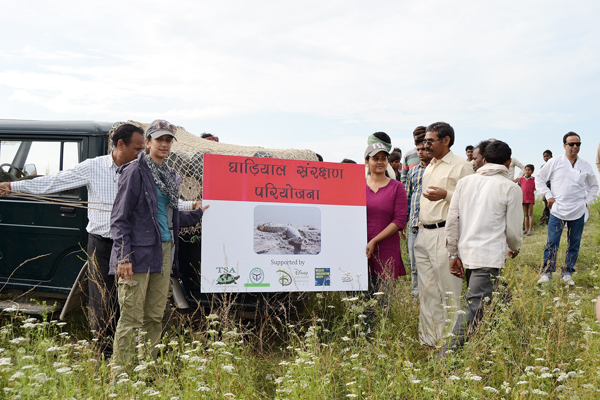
(571, 144)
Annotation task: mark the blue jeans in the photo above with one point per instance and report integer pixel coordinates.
(574, 231)
(412, 236)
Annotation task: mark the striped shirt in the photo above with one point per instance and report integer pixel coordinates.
(410, 160)
(100, 177)
(413, 192)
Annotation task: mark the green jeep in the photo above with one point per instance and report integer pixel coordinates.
(42, 242)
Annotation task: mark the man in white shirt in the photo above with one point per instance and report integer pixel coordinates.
(483, 229)
(574, 188)
(100, 177)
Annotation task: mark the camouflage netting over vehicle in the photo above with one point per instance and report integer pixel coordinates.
(187, 159)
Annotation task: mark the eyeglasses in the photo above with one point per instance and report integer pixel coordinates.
(571, 144)
(430, 141)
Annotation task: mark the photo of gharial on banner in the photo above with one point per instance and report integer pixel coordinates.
(283, 225)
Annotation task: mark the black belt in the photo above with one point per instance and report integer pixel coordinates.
(101, 238)
(434, 226)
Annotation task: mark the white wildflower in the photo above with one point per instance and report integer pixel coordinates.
(41, 377)
(124, 380)
(61, 324)
(173, 343)
(522, 382)
(378, 294)
(350, 383)
(64, 370)
(18, 340)
(475, 378)
(159, 346)
(540, 392)
(221, 344)
(490, 389)
(416, 381)
(5, 361)
(539, 359)
(203, 389)
(454, 378)
(346, 338)
(140, 367)
(139, 383)
(112, 395)
(408, 364)
(228, 368)
(351, 395)
(16, 375)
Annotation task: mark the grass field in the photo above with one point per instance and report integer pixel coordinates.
(542, 343)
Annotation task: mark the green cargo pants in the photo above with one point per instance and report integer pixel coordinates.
(142, 301)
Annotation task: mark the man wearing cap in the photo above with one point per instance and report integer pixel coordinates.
(439, 290)
(574, 188)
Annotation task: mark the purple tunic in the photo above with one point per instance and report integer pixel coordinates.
(384, 207)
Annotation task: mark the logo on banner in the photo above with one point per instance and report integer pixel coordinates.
(285, 279)
(227, 276)
(256, 277)
(347, 277)
(322, 277)
(301, 276)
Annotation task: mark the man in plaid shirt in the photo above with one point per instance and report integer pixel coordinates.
(413, 192)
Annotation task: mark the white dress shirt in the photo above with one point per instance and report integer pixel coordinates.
(100, 177)
(574, 186)
(511, 170)
(485, 218)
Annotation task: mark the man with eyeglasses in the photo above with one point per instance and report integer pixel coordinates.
(439, 290)
(574, 188)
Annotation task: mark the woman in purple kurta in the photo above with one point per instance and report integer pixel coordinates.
(386, 215)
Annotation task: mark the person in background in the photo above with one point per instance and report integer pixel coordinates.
(483, 229)
(574, 188)
(478, 154)
(386, 216)
(413, 185)
(411, 159)
(469, 150)
(348, 161)
(511, 170)
(546, 213)
(598, 159)
(145, 223)
(209, 136)
(527, 183)
(439, 290)
(99, 176)
(395, 163)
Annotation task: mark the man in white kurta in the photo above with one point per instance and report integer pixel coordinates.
(483, 229)
(574, 188)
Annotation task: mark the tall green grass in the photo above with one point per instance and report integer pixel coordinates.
(535, 342)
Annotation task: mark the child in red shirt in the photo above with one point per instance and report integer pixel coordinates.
(527, 184)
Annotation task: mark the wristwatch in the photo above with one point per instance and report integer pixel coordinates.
(453, 257)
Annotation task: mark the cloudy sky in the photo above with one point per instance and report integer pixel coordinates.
(312, 74)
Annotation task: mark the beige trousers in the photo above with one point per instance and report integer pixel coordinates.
(142, 300)
(439, 290)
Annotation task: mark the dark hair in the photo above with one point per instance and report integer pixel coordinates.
(394, 157)
(348, 161)
(124, 133)
(383, 136)
(419, 138)
(443, 129)
(396, 150)
(531, 167)
(549, 152)
(482, 146)
(469, 147)
(419, 130)
(319, 157)
(570, 134)
(206, 135)
(497, 152)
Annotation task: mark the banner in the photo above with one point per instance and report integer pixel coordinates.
(283, 225)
